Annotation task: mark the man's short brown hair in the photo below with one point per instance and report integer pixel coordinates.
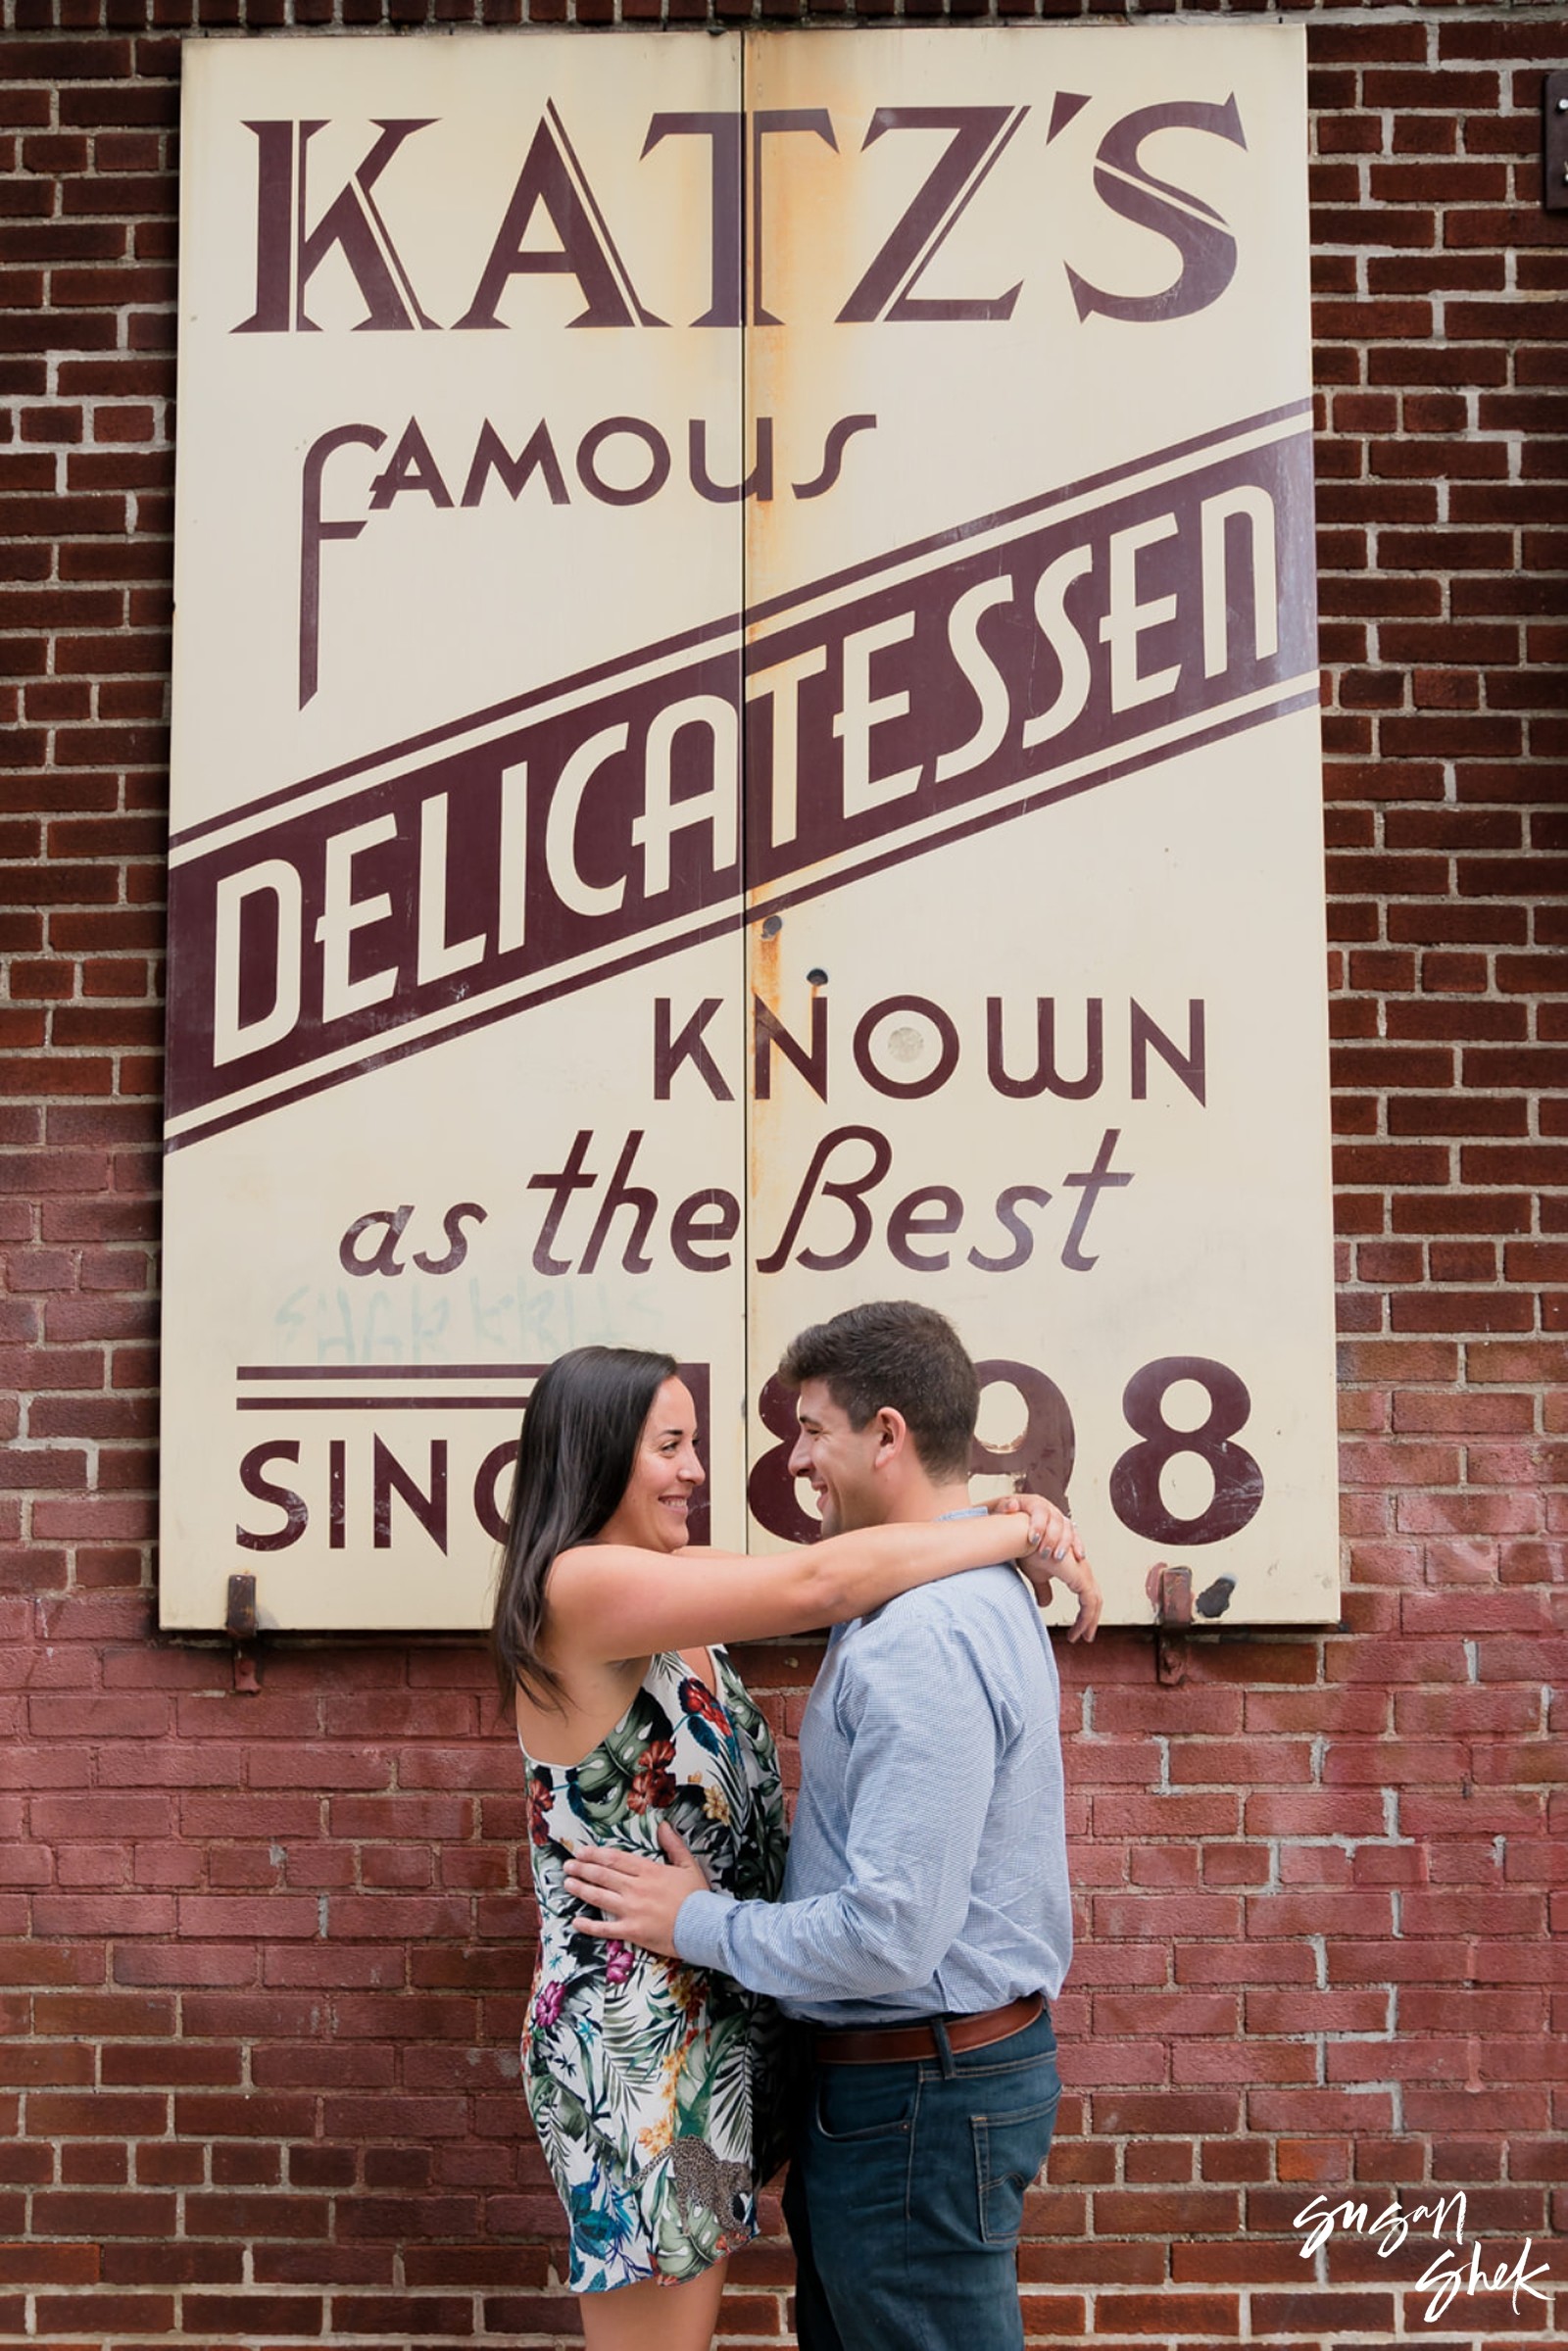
(901, 1355)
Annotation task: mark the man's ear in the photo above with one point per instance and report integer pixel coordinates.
(892, 1437)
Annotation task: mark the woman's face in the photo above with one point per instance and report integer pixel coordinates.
(665, 1476)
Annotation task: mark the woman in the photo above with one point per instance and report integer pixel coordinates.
(648, 2082)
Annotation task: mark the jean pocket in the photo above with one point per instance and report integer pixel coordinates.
(1009, 2150)
(866, 2101)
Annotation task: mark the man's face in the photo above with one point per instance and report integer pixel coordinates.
(838, 1460)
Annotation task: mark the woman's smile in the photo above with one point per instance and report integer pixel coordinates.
(653, 1512)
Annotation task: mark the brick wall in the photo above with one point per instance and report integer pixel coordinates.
(262, 1957)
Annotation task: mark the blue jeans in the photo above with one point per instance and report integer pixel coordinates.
(906, 2195)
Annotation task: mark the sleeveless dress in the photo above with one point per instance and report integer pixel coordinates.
(653, 2085)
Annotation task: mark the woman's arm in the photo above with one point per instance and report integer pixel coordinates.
(607, 1600)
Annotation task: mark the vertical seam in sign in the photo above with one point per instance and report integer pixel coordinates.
(742, 379)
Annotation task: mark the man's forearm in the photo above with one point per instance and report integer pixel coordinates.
(830, 1947)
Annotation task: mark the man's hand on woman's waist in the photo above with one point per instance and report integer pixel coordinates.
(637, 1897)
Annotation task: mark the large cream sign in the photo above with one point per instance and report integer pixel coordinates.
(743, 740)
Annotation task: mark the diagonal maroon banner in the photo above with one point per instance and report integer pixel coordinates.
(615, 817)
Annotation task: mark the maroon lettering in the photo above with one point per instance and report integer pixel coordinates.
(456, 1239)
(1204, 242)
(487, 1505)
(759, 483)
(287, 259)
(1023, 1240)
(312, 531)
(1189, 1067)
(912, 1220)
(1041, 1459)
(770, 1489)
(630, 428)
(274, 229)
(838, 440)
(1046, 1078)
(486, 863)
(551, 182)
(689, 1046)
(296, 1517)
(1065, 108)
(1092, 1182)
(724, 135)
(380, 1494)
(768, 1032)
(538, 455)
(411, 467)
(907, 1090)
(619, 1194)
(383, 1259)
(572, 1178)
(1135, 1487)
(388, 1477)
(848, 1191)
(887, 291)
(705, 1222)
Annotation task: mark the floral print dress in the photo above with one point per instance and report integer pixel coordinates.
(653, 2084)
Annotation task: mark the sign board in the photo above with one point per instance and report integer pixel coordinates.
(744, 739)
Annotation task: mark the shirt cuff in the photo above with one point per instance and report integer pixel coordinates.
(699, 1924)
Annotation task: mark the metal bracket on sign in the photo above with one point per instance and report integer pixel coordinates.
(1170, 1594)
(239, 1623)
(1554, 143)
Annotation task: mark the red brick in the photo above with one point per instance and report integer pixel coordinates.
(253, 2313)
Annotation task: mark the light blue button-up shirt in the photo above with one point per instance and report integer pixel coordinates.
(928, 1861)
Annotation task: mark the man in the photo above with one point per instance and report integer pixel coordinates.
(926, 1919)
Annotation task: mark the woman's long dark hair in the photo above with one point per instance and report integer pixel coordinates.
(575, 1463)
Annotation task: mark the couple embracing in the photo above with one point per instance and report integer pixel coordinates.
(922, 1922)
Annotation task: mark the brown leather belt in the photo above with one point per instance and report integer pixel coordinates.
(906, 2044)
